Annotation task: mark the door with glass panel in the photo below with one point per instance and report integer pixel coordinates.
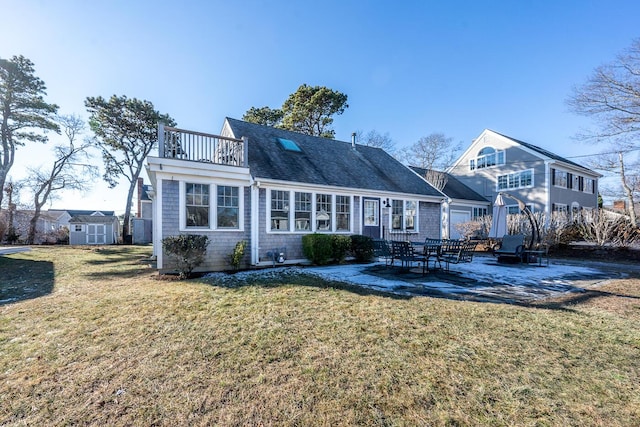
(371, 217)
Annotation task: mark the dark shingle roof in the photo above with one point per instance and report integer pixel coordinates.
(76, 212)
(454, 188)
(92, 219)
(145, 192)
(542, 151)
(325, 162)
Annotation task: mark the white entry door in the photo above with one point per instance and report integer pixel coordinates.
(456, 217)
(96, 234)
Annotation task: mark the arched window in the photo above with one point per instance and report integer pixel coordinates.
(487, 157)
(486, 150)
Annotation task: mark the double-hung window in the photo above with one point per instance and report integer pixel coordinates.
(302, 211)
(404, 215)
(197, 205)
(323, 212)
(410, 215)
(480, 212)
(279, 210)
(228, 207)
(397, 212)
(588, 185)
(559, 178)
(343, 212)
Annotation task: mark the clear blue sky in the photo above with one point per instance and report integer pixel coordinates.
(410, 68)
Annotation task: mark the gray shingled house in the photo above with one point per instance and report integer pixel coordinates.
(270, 187)
(461, 205)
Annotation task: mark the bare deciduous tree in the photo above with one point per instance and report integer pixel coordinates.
(435, 151)
(373, 138)
(612, 97)
(65, 173)
(436, 178)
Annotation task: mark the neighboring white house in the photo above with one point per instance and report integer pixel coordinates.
(546, 182)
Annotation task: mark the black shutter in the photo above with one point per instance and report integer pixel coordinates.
(581, 183)
(553, 176)
(569, 180)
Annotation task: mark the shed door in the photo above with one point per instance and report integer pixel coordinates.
(371, 217)
(96, 234)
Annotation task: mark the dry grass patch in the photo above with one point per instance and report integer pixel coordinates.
(109, 344)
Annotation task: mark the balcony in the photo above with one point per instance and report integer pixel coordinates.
(174, 143)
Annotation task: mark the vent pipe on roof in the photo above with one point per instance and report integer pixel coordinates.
(353, 140)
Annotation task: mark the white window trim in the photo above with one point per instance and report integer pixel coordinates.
(474, 209)
(289, 214)
(498, 189)
(213, 207)
(313, 225)
(213, 204)
(476, 159)
(403, 230)
(183, 206)
(556, 205)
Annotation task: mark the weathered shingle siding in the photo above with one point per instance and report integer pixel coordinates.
(170, 208)
(429, 220)
(221, 242)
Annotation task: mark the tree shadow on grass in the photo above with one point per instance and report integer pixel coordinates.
(287, 277)
(23, 279)
(115, 254)
(554, 295)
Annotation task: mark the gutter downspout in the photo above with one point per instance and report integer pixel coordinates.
(547, 184)
(157, 232)
(255, 222)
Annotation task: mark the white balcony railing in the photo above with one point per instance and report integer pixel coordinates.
(183, 144)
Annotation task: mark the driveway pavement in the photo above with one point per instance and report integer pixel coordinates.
(6, 250)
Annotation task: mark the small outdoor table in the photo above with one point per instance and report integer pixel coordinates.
(538, 255)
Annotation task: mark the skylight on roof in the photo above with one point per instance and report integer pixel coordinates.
(289, 145)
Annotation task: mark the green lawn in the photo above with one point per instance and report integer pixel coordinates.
(93, 337)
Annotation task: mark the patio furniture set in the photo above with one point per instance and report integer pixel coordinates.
(434, 251)
(513, 249)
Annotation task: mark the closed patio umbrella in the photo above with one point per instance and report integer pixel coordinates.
(499, 220)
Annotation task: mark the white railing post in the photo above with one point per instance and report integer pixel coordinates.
(245, 151)
(160, 139)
